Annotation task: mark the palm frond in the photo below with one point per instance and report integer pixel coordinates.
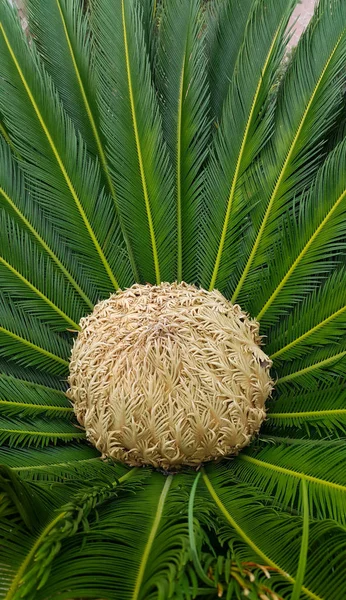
(31, 377)
(65, 182)
(307, 106)
(41, 292)
(185, 98)
(320, 230)
(319, 412)
(57, 462)
(254, 540)
(16, 201)
(318, 320)
(226, 27)
(27, 341)
(138, 541)
(242, 132)
(61, 31)
(38, 431)
(278, 471)
(321, 364)
(136, 151)
(64, 509)
(20, 398)
(109, 538)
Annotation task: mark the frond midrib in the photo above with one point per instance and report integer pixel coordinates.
(300, 257)
(317, 365)
(60, 162)
(292, 473)
(316, 327)
(45, 246)
(282, 172)
(151, 538)
(97, 137)
(43, 297)
(38, 349)
(238, 167)
(139, 148)
(247, 538)
(43, 407)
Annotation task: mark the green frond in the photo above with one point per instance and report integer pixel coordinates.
(20, 398)
(132, 127)
(57, 463)
(65, 182)
(318, 320)
(226, 27)
(15, 200)
(30, 343)
(11, 372)
(307, 106)
(308, 245)
(137, 538)
(254, 540)
(41, 291)
(319, 412)
(61, 31)
(321, 364)
(64, 509)
(243, 131)
(182, 76)
(38, 431)
(278, 471)
(120, 536)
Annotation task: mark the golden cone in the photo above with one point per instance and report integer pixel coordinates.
(169, 375)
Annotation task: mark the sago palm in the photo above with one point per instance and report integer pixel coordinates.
(173, 197)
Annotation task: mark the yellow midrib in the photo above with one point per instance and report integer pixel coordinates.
(15, 583)
(33, 384)
(21, 571)
(95, 131)
(40, 294)
(42, 407)
(248, 540)
(34, 346)
(317, 365)
(301, 256)
(238, 166)
(307, 414)
(286, 471)
(59, 161)
(59, 465)
(284, 349)
(139, 150)
(151, 538)
(46, 248)
(179, 183)
(282, 174)
(49, 434)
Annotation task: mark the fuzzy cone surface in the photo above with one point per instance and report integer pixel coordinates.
(144, 454)
(169, 375)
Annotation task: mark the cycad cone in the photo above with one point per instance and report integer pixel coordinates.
(169, 375)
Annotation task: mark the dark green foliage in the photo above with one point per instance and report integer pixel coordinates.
(150, 141)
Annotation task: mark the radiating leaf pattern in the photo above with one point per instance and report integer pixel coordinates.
(150, 141)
